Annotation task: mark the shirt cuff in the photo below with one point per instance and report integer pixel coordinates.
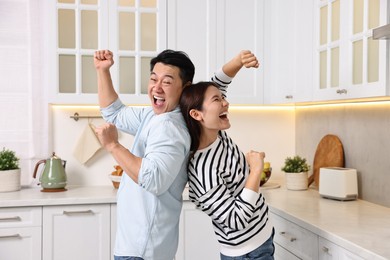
(249, 196)
(220, 75)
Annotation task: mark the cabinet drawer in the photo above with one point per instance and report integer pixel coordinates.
(20, 217)
(299, 241)
(331, 251)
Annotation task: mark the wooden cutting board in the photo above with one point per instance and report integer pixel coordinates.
(329, 153)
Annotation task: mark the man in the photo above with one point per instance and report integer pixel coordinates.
(149, 198)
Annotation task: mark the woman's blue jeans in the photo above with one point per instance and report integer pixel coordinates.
(264, 252)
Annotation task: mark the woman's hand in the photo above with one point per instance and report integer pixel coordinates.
(255, 161)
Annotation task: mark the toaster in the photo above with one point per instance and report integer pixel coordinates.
(338, 183)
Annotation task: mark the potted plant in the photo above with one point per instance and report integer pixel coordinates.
(296, 172)
(9, 171)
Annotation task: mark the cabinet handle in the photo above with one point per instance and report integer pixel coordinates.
(289, 96)
(78, 212)
(11, 236)
(17, 218)
(325, 249)
(342, 91)
(291, 238)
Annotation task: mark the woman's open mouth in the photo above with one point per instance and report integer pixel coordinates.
(224, 115)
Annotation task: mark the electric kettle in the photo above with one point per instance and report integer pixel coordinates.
(53, 177)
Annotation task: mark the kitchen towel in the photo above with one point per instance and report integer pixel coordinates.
(87, 145)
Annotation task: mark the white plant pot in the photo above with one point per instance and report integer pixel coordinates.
(296, 181)
(10, 180)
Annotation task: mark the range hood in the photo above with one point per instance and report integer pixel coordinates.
(381, 33)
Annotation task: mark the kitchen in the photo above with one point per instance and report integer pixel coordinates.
(36, 122)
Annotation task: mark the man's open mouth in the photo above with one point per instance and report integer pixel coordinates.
(158, 100)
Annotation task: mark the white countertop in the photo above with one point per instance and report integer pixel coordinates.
(28, 196)
(359, 226)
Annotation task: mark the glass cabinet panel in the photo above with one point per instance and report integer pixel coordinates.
(323, 69)
(67, 73)
(126, 31)
(148, 32)
(89, 29)
(127, 75)
(66, 28)
(373, 14)
(145, 74)
(336, 20)
(126, 3)
(148, 3)
(88, 75)
(358, 62)
(334, 82)
(373, 60)
(323, 25)
(358, 8)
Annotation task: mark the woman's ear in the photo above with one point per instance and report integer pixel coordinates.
(195, 114)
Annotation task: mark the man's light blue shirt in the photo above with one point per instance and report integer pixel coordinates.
(148, 213)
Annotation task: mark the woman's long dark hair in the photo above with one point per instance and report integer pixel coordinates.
(192, 97)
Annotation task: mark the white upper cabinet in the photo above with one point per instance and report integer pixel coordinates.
(135, 30)
(213, 32)
(288, 51)
(348, 62)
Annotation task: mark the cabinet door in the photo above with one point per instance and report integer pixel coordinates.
(20, 243)
(113, 229)
(212, 33)
(196, 236)
(348, 62)
(288, 51)
(134, 30)
(76, 232)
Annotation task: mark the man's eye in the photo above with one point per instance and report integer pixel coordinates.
(153, 79)
(166, 82)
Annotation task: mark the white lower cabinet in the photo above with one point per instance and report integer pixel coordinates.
(331, 251)
(196, 235)
(113, 229)
(300, 242)
(20, 233)
(295, 242)
(76, 232)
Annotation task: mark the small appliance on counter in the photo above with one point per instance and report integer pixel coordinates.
(338, 183)
(53, 177)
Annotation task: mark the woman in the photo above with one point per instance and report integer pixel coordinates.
(223, 182)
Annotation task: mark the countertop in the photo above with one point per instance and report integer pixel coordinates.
(29, 196)
(359, 226)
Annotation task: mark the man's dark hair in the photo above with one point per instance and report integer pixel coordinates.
(178, 59)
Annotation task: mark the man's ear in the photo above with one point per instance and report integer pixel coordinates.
(187, 84)
(195, 114)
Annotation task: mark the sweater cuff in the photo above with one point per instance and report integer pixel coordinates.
(249, 196)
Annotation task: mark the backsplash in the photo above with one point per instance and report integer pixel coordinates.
(268, 129)
(364, 130)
